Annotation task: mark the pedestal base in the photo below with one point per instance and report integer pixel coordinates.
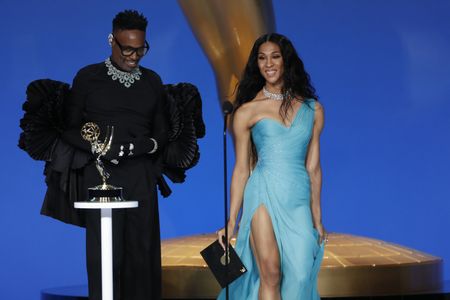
(106, 239)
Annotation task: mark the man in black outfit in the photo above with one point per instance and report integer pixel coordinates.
(120, 93)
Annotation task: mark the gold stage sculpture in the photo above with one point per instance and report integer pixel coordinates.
(226, 30)
(352, 266)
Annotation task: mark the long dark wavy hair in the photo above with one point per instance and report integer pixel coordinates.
(296, 82)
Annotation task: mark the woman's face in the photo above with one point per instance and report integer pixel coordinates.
(270, 63)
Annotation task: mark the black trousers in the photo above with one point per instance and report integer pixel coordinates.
(136, 252)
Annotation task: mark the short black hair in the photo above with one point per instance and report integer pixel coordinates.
(128, 20)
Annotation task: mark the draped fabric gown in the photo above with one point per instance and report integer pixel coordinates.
(281, 183)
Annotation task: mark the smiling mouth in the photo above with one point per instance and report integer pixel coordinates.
(271, 72)
(131, 63)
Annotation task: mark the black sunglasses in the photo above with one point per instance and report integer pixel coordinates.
(128, 50)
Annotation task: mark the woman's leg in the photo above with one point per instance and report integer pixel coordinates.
(265, 250)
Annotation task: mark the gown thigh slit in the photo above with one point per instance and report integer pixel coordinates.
(264, 244)
(281, 184)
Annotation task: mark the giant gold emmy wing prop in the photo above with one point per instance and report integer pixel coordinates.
(226, 30)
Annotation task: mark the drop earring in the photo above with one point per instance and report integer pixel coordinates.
(110, 39)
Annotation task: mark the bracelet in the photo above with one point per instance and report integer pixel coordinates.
(155, 147)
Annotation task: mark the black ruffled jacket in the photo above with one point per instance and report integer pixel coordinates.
(54, 114)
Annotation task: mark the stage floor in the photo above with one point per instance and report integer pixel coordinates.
(80, 293)
(353, 268)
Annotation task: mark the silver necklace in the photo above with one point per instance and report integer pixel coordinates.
(272, 96)
(125, 78)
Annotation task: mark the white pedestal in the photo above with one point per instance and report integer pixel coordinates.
(106, 237)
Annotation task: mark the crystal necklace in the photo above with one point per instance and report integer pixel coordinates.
(272, 96)
(125, 78)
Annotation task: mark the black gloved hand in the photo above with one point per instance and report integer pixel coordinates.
(134, 147)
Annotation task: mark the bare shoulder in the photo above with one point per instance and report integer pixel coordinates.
(319, 107)
(243, 111)
(319, 116)
(243, 114)
(319, 110)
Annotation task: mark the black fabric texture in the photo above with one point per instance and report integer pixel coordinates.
(42, 122)
(137, 114)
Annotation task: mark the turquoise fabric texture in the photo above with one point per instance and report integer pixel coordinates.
(281, 183)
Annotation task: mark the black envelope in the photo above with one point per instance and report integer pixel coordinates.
(214, 255)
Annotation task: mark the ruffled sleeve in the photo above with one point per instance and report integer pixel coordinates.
(43, 125)
(184, 108)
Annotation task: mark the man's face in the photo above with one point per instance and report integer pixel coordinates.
(127, 39)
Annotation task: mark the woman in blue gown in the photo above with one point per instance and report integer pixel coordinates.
(277, 176)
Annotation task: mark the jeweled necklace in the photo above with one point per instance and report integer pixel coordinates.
(273, 96)
(125, 78)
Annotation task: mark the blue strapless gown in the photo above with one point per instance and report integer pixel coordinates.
(281, 183)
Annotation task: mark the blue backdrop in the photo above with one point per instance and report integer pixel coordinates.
(382, 71)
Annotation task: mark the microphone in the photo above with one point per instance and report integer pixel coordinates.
(227, 107)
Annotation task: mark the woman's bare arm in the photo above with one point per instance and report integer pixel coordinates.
(315, 171)
(241, 171)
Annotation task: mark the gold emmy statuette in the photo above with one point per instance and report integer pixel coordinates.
(104, 192)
